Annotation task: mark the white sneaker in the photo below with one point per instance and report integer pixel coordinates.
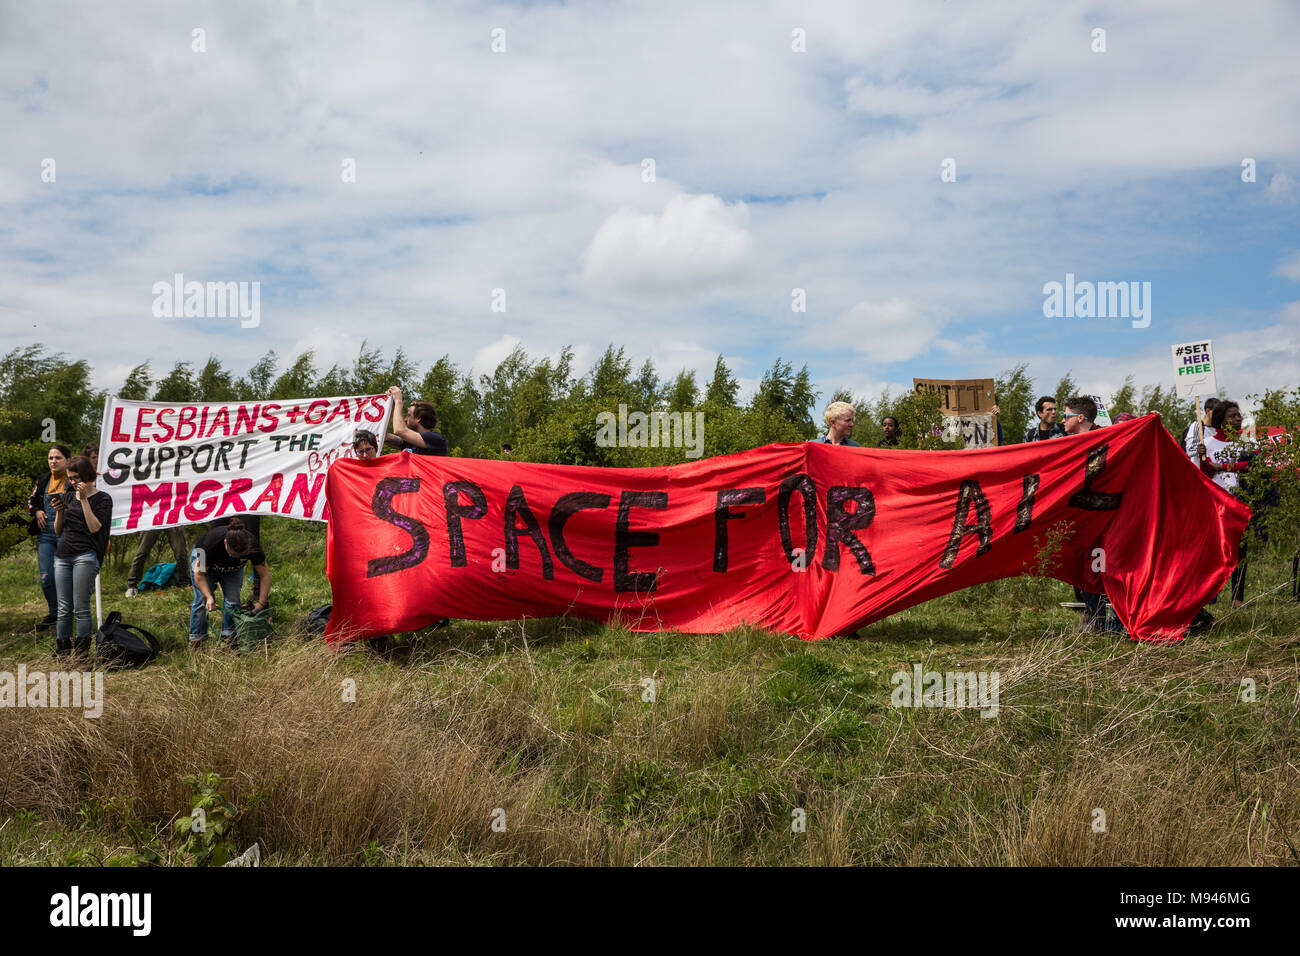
(131, 592)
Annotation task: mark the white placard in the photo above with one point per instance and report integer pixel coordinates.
(1194, 369)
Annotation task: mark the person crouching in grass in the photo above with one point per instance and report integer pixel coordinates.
(218, 558)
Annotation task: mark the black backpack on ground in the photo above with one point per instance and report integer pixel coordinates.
(317, 620)
(117, 646)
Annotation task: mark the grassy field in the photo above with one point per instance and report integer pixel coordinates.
(544, 729)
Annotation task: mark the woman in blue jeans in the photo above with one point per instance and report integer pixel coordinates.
(40, 505)
(82, 516)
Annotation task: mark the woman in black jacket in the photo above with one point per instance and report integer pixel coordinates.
(82, 518)
(40, 505)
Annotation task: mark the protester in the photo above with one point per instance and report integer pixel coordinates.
(1192, 438)
(365, 445)
(252, 523)
(1081, 417)
(889, 425)
(91, 452)
(1047, 426)
(218, 558)
(1224, 456)
(839, 425)
(175, 538)
(40, 505)
(82, 516)
(507, 451)
(1123, 417)
(417, 434)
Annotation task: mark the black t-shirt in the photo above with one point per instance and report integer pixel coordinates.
(436, 445)
(76, 537)
(218, 560)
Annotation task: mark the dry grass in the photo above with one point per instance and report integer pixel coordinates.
(549, 722)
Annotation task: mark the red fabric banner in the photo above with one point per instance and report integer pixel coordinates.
(810, 539)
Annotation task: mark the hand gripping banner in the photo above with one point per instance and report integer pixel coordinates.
(809, 539)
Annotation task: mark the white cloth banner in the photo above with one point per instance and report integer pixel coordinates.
(176, 464)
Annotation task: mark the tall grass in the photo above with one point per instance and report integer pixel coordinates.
(550, 723)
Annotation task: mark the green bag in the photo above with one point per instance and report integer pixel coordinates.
(252, 630)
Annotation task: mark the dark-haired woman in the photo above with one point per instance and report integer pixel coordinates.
(1224, 456)
(40, 505)
(82, 516)
(365, 444)
(218, 559)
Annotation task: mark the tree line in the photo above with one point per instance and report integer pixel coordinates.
(538, 405)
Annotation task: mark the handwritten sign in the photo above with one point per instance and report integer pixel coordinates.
(175, 464)
(1194, 369)
(967, 406)
(1103, 416)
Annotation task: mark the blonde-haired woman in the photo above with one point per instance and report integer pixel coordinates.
(839, 425)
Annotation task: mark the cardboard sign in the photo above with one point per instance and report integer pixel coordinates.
(1194, 369)
(966, 404)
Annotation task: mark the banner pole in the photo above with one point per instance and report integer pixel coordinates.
(1200, 421)
(99, 611)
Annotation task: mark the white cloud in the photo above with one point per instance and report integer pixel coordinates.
(1289, 267)
(1280, 189)
(490, 356)
(891, 331)
(774, 170)
(695, 242)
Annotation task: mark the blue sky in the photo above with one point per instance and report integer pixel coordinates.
(774, 169)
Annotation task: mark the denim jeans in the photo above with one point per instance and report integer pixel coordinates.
(45, 545)
(75, 580)
(230, 584)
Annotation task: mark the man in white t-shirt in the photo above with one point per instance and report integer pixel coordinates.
(1193, 436)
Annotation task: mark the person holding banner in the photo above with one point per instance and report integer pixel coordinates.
(40, 505)
(82, 526)
(1081, 417)
(1221, 454)
(889, 425)
(417, 435)
(1223, 457)
(365, 445)
(219, 558)
(839, 425)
